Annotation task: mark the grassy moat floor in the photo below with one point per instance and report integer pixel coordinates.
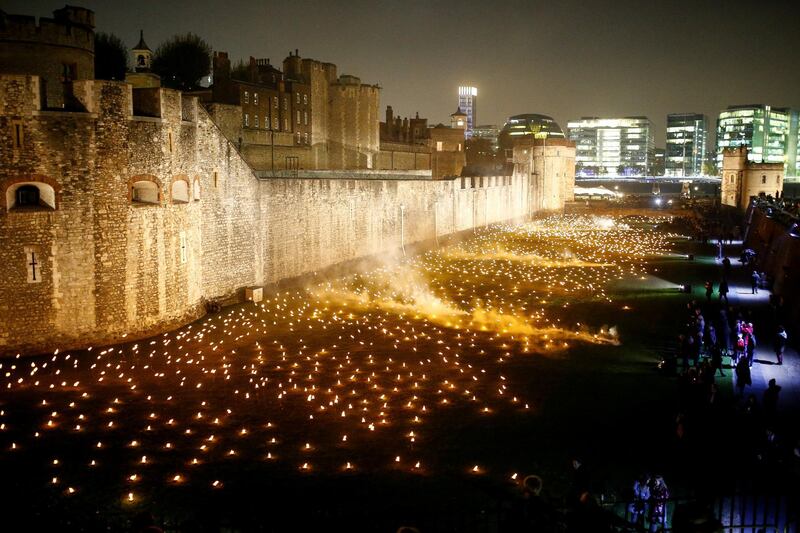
(417, 393)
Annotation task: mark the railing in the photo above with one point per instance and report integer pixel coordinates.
(739, 513)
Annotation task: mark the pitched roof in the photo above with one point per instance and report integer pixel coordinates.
(142, 45)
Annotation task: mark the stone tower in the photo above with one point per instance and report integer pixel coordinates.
(734, 163)
(458, 120)
(142, 55)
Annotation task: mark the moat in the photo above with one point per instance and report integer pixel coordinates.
(462, 368)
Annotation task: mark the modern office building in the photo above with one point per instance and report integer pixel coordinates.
(658, 167)
(467, 102)
(613, 146)
(768, 133)
(528, 125)
(490, 132)
(793, 145)
(687, 138)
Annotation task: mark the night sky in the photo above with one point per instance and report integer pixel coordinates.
(565, 58)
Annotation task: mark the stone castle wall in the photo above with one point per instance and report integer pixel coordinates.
(50, 49)
(108, 267)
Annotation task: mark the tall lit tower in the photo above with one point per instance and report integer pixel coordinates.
(467, 99)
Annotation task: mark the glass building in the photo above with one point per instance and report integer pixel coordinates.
(528, 124)
(687, 138)
(467, 102)
(764, 130)
(612, 146)
(490, 132)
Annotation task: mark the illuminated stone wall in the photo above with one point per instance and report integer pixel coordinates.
(108, 268)
(742, 179)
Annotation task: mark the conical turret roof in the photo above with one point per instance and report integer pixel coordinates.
(142, 45)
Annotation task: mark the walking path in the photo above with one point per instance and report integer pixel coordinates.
(765, 365)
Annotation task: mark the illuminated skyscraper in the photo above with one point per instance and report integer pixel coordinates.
(687, 135)
(467, 100)
(612, 146)
(764, 130)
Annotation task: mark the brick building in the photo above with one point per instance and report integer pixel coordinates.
(303, 117)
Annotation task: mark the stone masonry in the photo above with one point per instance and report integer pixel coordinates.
(110, 268)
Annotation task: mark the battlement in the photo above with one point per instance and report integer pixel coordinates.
(70, 27)
(19, 98)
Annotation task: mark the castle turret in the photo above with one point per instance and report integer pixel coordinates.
(458, 120)
(60, 50)
(142, 75)
(142, 55)
(293, 66)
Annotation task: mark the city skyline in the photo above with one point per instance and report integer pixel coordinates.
(563, 60)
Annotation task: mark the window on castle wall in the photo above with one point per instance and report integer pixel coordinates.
(298, 117)
(266, 123)
(255, 121)
(305, 138)
(17, 134)
(246, 120)
(298, 98)
(763, 180)
(216, 179)
(30, 196)
(246, 97)
(305, 118)
(286, 124)
(255, 98)
(169, 142)
(196, 190)
(275, 123)
(180, 192)
(439, 146)
(144, 192)
(305, 99)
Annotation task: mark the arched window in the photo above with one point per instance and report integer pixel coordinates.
(180, 191)
(763, 179)
(27, 196)
(30, 195)
(196, 190)
(144, 192)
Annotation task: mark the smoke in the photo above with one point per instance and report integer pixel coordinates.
(501, 254)
(404, 291)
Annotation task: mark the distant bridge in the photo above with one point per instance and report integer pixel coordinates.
(649, 179)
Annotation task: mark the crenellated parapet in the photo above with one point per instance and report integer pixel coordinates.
(60, 50)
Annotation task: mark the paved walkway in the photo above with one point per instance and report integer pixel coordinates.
(764, 368)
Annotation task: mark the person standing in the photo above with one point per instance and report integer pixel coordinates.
(754, 279)
(750, 348)
(724, 328)
(709, 285)
(739, 349)
(711, 338)
(659, 494)
(723, 290)
(641, 495)
(780, 344)
(742, 375)
(716, 360)
(726, 267)
(771, 398)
